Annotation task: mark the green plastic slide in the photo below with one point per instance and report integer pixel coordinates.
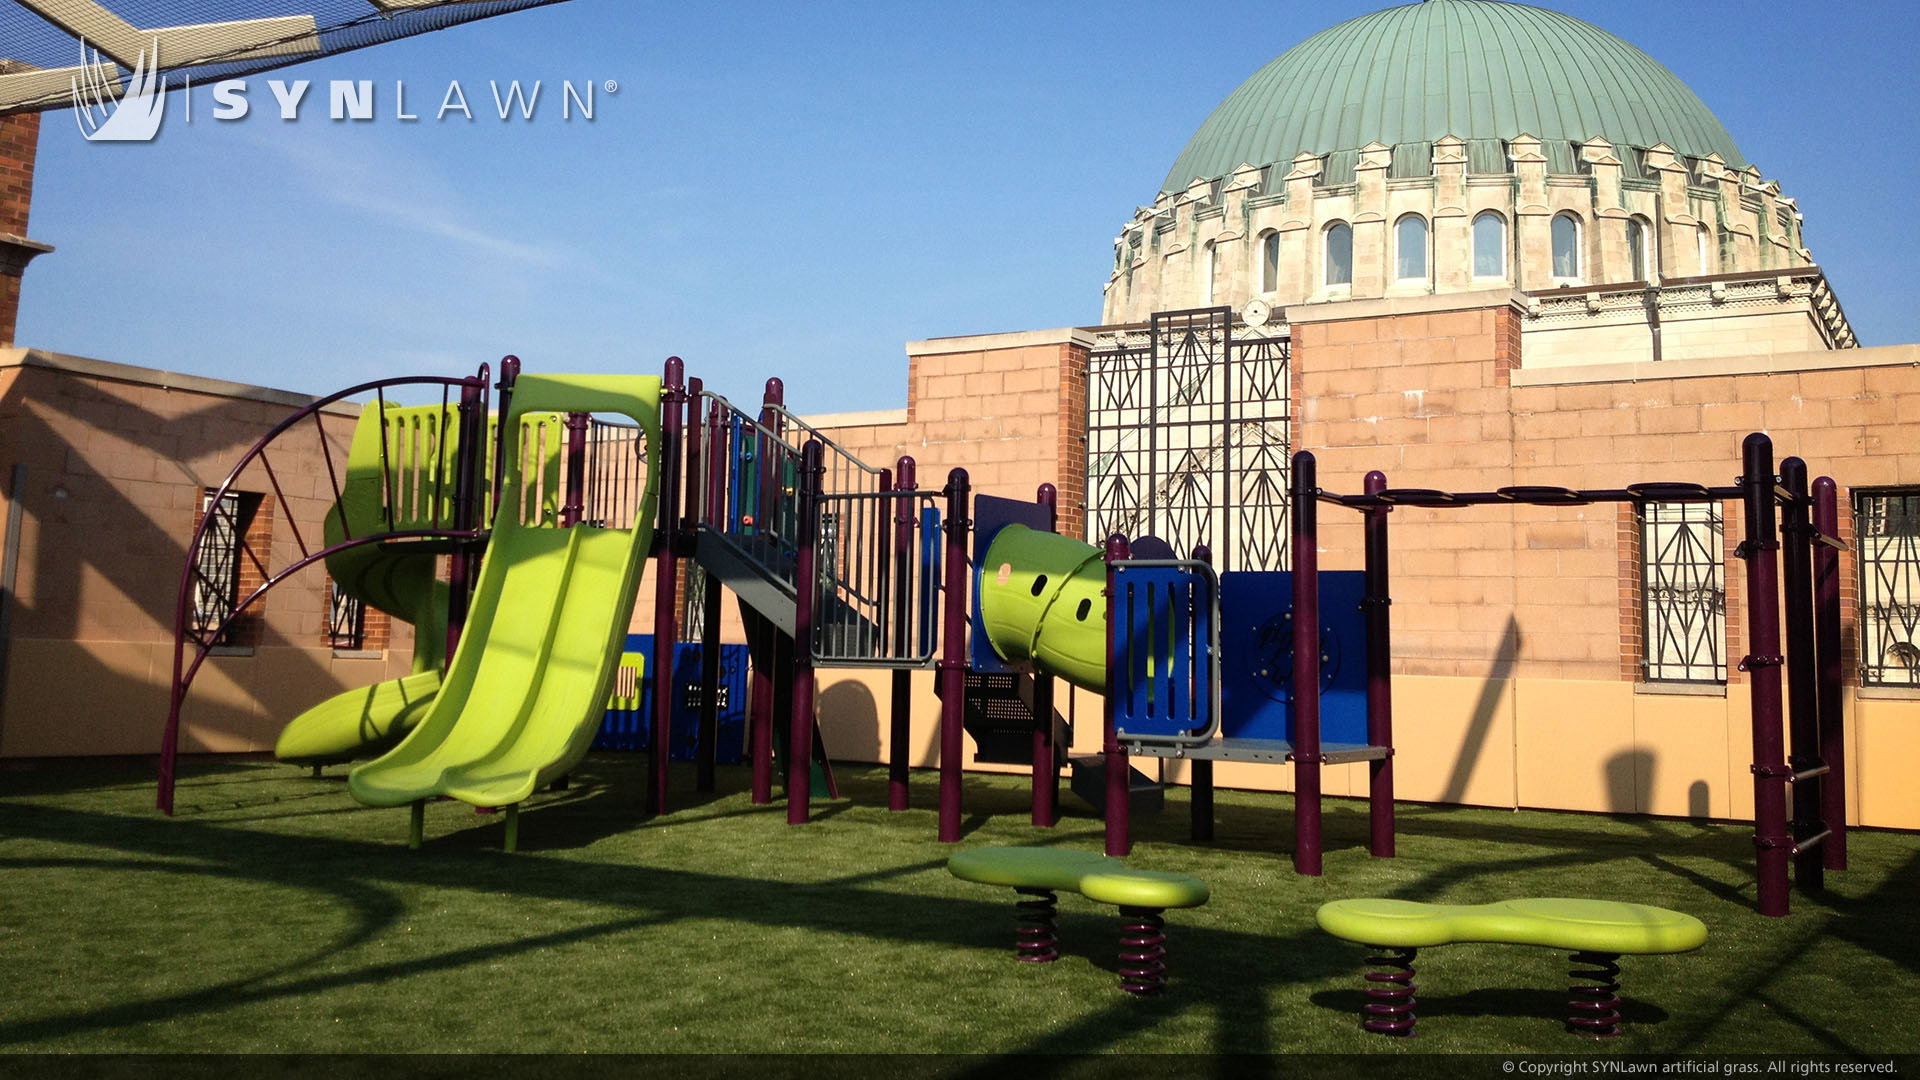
(415, 467)
(528, 685)
(421, 444)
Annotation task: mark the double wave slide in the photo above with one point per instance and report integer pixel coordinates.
(528, 683)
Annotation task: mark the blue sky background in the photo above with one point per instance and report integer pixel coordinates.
(800, 189)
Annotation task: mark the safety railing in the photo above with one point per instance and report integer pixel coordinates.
(877, 579)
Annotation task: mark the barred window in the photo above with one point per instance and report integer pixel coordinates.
(346, 619)
(1683, 592)
(1887, 539)
(216, 569)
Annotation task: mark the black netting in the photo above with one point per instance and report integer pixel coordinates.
(29, 42)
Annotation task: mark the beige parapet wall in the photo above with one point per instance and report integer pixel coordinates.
(116, 461)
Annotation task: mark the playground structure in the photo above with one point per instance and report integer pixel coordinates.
(836, 563)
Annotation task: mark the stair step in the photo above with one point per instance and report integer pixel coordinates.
(1145, 795)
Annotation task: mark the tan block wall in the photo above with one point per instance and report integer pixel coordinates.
(115, 471)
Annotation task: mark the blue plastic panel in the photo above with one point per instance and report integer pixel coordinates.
(629, 729)
(1159, 673)
(991, 514)
(1256, 647)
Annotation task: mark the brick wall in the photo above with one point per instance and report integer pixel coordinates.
(19, 143)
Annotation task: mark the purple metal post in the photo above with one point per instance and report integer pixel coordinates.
(762, 706)
(576, 501)
(1046, 769)
(1379, 609)
(1119, 769)
(1200, 786)
(473, 419)
(700, 441)
(1826, 632)
(694, 492)
(1306, 665)
(900, 728)
(1803, 695)
(1762, 665)
(505, 442)
(953, 652)
(806, 582)
(666, 578)
(718, 454)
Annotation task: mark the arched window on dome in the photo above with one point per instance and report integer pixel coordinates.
(1211, 261)
(1703, 239)
(1410, 248)
(1339, 254)
(1270, 262)
(1640, 260)
(1566, 247)
(1489, 245)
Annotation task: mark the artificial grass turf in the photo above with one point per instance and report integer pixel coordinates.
(274, 914)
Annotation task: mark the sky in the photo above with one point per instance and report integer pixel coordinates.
(800, 189)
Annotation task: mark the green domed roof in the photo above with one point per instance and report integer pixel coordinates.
(1478, 69)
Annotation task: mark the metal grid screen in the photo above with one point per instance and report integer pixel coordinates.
(1684, 596)
(1887, 537)
(1188, 439)
(204, 40)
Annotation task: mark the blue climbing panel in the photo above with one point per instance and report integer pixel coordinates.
(629, 729)
(1159, 671)
(1256, 634)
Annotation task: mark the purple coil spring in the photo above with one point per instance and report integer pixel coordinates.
(1143, 968)
(1596, 997)
(1034, 943)
(1390, 1001)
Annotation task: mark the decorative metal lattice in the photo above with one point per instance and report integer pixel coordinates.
(1887, 538)
(216, 573)
(1188, 439)
(346, 619)
(1683, 593)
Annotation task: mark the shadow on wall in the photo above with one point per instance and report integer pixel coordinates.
(1630, 786)
(89, 533)
(850, 721)
(1499, 676)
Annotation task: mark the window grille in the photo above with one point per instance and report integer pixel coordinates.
(216, 570)
(1887, 541)
(346, 619)
(1683, 592)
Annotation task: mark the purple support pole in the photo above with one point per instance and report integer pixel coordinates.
(762, 705)
(694, 491)
(718, 455)
(576, 500)
(953, 652)
(666, 575)
(1762, 665)
(1826, 632)
(1119, 769)
(1046, 769)
(900, 728)
(473, 420)
(505, 442)
(1306, 665)
(1200, 787)
(1803, 695)
(806, 581)
(1379, 673)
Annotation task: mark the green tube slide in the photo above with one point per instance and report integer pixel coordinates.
(526, 689)
(1042, 601)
